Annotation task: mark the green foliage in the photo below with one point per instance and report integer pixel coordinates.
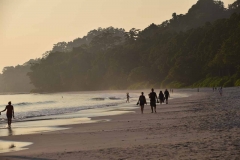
(228, 83)
(198, 49)
(215, 82)
(237, 83)
(174, 84)
(140, 85)
(138, 74)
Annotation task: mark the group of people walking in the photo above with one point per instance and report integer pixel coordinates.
(220, 90)
(153, 99)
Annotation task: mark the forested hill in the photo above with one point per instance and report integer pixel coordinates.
(200, 13)
(15, 79)
(200, 48)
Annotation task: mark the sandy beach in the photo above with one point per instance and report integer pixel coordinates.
(201, 126)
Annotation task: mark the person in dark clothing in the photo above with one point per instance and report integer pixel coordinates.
(9, 114)
(161, 97)
(142, 101)
(153, 99)
(166, 93)
(127, 101)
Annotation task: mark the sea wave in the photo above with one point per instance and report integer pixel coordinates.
(114, 98)
(98, 99)
(102, 99)
(22, 116)
(34, 103)
(30, 103)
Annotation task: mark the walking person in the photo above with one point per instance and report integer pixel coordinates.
(127, 101)
(166, 93)
(153, 100)
(9, 114)
(161, 97)
(220, 91)
(142, 101)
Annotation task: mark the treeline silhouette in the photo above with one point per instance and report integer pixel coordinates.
(15, 79)
(200, 48)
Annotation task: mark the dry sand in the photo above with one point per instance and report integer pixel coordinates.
(202, 126)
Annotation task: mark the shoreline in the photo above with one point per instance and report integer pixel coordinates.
(179, 130)
(92, 91)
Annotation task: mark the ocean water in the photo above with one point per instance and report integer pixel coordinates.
(66, 104)
(37, 113)
(40, 105)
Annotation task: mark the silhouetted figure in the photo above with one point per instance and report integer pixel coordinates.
(166, 93)
(127, 101)
(161, 97)
(198, 90)
(10, 113)
(220, 91)
(142, 101)
(153, 100)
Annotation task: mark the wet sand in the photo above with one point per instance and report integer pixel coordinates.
(202, 126)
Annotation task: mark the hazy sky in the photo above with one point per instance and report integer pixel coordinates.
(28, 28)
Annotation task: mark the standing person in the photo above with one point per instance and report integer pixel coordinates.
(127, 101)
(142, 101)
(161, 97)
(166, 93)
(10, 113)
(153, 99)
(220, 91)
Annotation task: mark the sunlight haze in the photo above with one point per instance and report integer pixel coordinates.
(31, 27)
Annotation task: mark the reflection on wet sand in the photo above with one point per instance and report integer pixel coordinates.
(8, 146)
(54, 123)
(51, 123)
(10, 131)
(26, 158)
(33, 127)
(21, 129)
(26, 130)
